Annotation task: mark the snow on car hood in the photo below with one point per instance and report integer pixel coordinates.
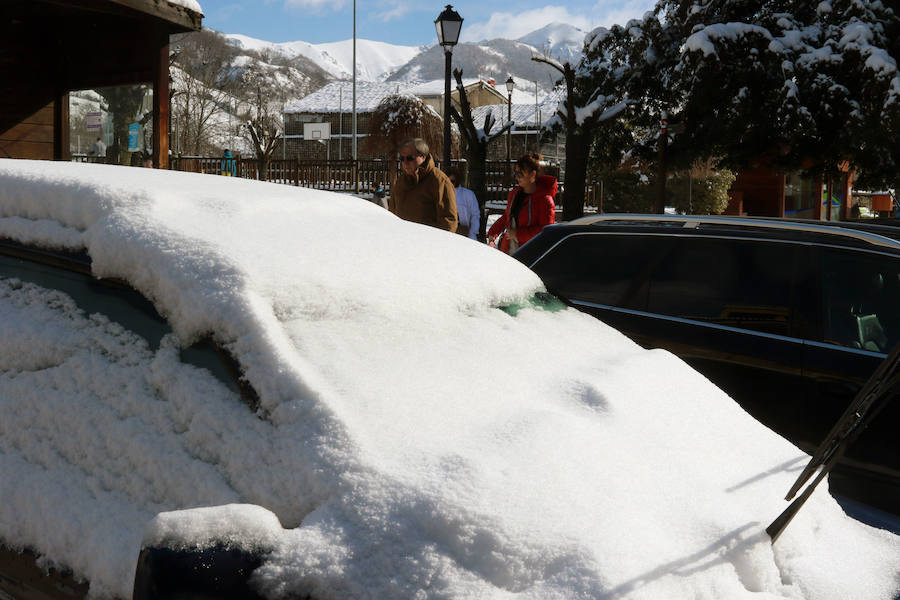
(415, 440)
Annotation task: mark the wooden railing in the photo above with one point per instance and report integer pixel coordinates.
(346, 175)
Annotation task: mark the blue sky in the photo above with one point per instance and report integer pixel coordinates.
(406, 23)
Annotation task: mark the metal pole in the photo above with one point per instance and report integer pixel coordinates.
(341, 122)
(447, 59)
(537, 121)
(354, 151)
(508, 137)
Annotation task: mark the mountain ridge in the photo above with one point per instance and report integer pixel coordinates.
(381, 61)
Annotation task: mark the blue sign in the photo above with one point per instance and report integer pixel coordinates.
(134, 130)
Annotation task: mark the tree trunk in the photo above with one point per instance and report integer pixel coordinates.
(263, 162)
(659, 201)
(578, 145)
(477, 159)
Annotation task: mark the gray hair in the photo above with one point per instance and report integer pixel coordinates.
(419, 144)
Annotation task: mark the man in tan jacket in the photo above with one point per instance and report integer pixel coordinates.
(422, 193)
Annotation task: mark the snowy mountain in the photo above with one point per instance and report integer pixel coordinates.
(501, 58)
(497, 59)
(375, 60)
(560, 40)
(300, 68)
(380, 61)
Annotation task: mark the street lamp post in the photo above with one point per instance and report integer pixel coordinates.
(510, 84)
(448, 25)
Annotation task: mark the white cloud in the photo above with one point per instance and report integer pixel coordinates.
(515, 25)
(394, 10)
(315, 5)
(612, 12)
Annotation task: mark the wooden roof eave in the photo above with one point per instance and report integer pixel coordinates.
(175, 18)
(174, 13)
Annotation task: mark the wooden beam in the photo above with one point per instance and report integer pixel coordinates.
(161, 8)
(178, 18)
(161, 106)
(61, 127)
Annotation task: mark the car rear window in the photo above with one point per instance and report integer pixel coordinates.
(737, 283)
(860, 299)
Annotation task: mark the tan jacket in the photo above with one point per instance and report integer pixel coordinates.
(426, 197)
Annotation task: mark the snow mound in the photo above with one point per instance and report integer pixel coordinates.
(414, 439)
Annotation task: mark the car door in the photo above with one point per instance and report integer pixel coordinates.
(726, 306)
(857, 307)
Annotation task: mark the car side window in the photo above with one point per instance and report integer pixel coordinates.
(737, 283)
(609, 269)
(860, 300)
(124, 306)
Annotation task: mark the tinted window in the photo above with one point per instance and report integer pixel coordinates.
(610, 269)
(737, 283)
(860, 300)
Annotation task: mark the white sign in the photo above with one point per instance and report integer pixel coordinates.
(94, 121)
(317, 131)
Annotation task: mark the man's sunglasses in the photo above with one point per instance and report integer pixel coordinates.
(408, 157)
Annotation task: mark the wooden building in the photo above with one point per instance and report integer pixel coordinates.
(49, 48)
(764, 192)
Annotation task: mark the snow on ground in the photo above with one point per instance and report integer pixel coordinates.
(414, 440)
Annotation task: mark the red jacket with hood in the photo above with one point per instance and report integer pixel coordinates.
(537, 211)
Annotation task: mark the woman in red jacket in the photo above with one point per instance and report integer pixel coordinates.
(529, 207)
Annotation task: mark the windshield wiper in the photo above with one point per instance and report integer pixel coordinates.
(878, 391)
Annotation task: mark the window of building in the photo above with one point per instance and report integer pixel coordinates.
(112, 125)
(800, 195)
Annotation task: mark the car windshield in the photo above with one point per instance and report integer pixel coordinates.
(539, 300)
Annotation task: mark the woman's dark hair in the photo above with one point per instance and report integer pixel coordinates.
(531, 162)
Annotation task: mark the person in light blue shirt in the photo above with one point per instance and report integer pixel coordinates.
(467, 209)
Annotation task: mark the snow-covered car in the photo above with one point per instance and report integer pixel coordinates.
(364, 407)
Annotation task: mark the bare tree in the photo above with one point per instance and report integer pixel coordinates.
(262, 125)
(201, 87)
(475, 145)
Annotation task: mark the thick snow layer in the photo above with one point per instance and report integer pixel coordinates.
(191, 5)
(413, 440)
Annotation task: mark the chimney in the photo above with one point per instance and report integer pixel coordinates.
(491, 81)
